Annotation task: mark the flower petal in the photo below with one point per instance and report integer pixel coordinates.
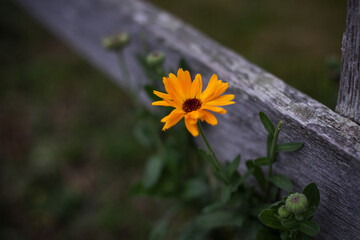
(166, 97)
(196, 87)
(210, 89)
(177, 86)
(222, 100)
(208, 117)
(171, 115)
(172, 92)
(214, 109)
(221, 89)
(191, 125)
(173, 118)
(185, 81)
(161, 103)
(161, 95)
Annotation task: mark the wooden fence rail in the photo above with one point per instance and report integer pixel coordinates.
(348, 103)
(331, 154)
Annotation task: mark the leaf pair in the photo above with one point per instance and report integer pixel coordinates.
(283, 147)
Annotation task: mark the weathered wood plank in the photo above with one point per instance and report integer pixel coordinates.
(348, 103)
(331, 155)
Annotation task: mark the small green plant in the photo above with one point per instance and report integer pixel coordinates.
(293, 215)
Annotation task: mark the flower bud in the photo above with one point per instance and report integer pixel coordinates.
(155, 58)
(296, 203)
(283, 212)
(116, 42)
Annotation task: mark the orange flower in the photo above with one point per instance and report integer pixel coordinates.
(190, 102)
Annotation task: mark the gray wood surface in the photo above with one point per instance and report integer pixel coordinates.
(331, 154)
(348, 103)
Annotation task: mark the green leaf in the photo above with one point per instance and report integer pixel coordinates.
(273, 193)
(213, 207)
(310, 228)
(258, 174)
(307, 214)
(226, 193)
(276, 205)
(269, 141)
(153, 171)
(242, 179)
(289, 222)
(233, 166)
(284, 235)
(262, 161)
(281, 182)
(269, 127)
(206, 156)
(256, 210)
(194, 188)
(219, 219)
(268, 218)
(288, 147)
(219, 176)
(312, 193)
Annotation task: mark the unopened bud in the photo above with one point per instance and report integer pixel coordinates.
(296, 203)
(155, 58)
(116, 42)
(283, 212)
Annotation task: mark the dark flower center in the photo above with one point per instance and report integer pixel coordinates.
(191, 105)
(295, 199)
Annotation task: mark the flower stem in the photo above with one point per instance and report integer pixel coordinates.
(272, 155)
(127, 80)
(124, 70)
(212, 153)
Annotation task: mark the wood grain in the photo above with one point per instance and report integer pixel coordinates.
(348, 103)
(331, 154)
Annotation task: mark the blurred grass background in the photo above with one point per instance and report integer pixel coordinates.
(67, 155)
(67, 152)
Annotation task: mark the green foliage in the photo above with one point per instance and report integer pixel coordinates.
(312, 193)
(293, 226)
(264, 161)
(153, 169)
(258, 174)
(288, 147)
(224, 199)
(281, 182)
(268, 125)
(232, 168)
(309, 228)
(268, 218)
(219, 196)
